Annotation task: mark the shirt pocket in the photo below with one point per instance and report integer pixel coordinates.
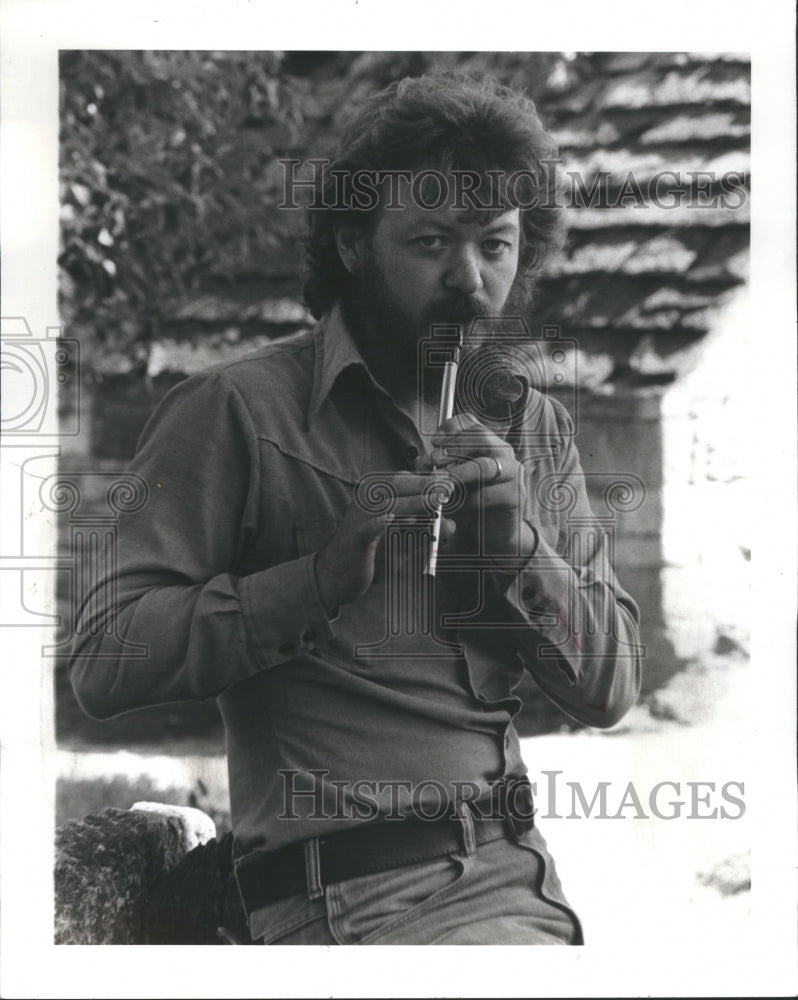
(313, 535)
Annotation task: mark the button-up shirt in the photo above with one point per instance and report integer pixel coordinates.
(400, 697)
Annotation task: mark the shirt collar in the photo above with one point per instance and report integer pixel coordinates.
(334, 350)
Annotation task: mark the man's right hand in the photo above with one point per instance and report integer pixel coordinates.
(345, 566)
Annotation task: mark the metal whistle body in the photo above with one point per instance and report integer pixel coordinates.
(445, 410)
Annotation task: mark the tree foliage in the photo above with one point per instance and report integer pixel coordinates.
(167, 159)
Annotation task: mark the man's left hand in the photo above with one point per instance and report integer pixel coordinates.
(495, 491)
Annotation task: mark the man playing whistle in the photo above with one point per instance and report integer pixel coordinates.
(286, 565)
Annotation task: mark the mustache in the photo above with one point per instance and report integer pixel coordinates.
(455, 308)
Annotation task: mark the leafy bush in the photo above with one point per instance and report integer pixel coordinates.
(168, 160)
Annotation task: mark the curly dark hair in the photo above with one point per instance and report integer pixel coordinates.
(442, 121)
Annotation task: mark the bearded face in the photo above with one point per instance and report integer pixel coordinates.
(420, 268)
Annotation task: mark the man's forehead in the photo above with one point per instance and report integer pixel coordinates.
(431, 196)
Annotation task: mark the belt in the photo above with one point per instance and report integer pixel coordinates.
(265, 878)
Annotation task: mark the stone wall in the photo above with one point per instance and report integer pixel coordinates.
(708, 427)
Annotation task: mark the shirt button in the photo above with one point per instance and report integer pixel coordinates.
(286, 648)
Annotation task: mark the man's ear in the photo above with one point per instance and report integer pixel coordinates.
(351, 244)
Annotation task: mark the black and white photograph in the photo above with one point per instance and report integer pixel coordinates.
(398, 457)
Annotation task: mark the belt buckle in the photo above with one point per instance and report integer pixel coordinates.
(519, 807)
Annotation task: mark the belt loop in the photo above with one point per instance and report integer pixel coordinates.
(466, 828)
(313, 869)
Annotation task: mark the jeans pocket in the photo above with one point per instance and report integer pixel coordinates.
(271, 924)
(367, 909)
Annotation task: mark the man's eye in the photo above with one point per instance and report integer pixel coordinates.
(496, 246)
(431, 242)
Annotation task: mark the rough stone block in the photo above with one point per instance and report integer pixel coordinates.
(108, 865)
(194, 825)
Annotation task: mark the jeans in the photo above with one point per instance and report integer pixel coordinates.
(504, 892)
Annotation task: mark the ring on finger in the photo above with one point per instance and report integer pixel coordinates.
(498, 473)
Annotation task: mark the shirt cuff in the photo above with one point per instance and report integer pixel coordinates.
(283, 611)
(542, 594)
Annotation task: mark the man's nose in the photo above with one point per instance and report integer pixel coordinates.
(463, 271)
